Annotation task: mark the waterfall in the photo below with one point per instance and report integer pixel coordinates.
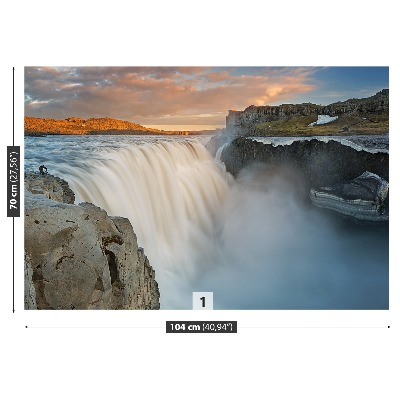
(219, 152)
(172, 192)
(252, 241)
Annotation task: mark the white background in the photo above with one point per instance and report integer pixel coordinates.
(277, 355)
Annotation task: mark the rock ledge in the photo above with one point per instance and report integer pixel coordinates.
(363, 198)
(78, 257)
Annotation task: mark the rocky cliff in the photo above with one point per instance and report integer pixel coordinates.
(51, 186)
(321, 163)
(78, 257)
(328, 169)
(367, 115)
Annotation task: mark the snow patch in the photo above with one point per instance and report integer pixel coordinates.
(369, 143)
(323, 119)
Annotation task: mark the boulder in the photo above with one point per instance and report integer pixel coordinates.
(78, 257)
(363, 198)
(29, 290)
(51, 186)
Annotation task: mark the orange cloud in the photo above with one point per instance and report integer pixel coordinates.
(159, 95)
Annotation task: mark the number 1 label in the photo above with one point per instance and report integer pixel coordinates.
(203, 300)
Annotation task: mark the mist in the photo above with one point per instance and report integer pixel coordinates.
(255, 241)
(278, 252)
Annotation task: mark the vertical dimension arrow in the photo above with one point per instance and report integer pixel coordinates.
(13, 185)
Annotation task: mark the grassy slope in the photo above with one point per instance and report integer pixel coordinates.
(344, 125)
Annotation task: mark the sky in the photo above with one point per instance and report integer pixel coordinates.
(188, 98)
(212, 32)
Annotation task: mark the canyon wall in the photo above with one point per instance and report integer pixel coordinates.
(252, 115)
(321, 163)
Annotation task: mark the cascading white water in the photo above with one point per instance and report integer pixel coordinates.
(252, 241)
(172, 192)
(219, 152)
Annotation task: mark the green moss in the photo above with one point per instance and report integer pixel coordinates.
(344, 125)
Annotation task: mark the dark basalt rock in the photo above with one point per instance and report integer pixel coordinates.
(331, 165)
(321, 163)
(364, 198)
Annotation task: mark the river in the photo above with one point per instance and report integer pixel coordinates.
(252, 241)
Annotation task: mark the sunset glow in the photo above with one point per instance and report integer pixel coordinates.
(187, 98)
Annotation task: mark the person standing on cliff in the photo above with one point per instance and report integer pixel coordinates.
(41, 170)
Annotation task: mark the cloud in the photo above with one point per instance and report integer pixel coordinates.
(152, 95)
